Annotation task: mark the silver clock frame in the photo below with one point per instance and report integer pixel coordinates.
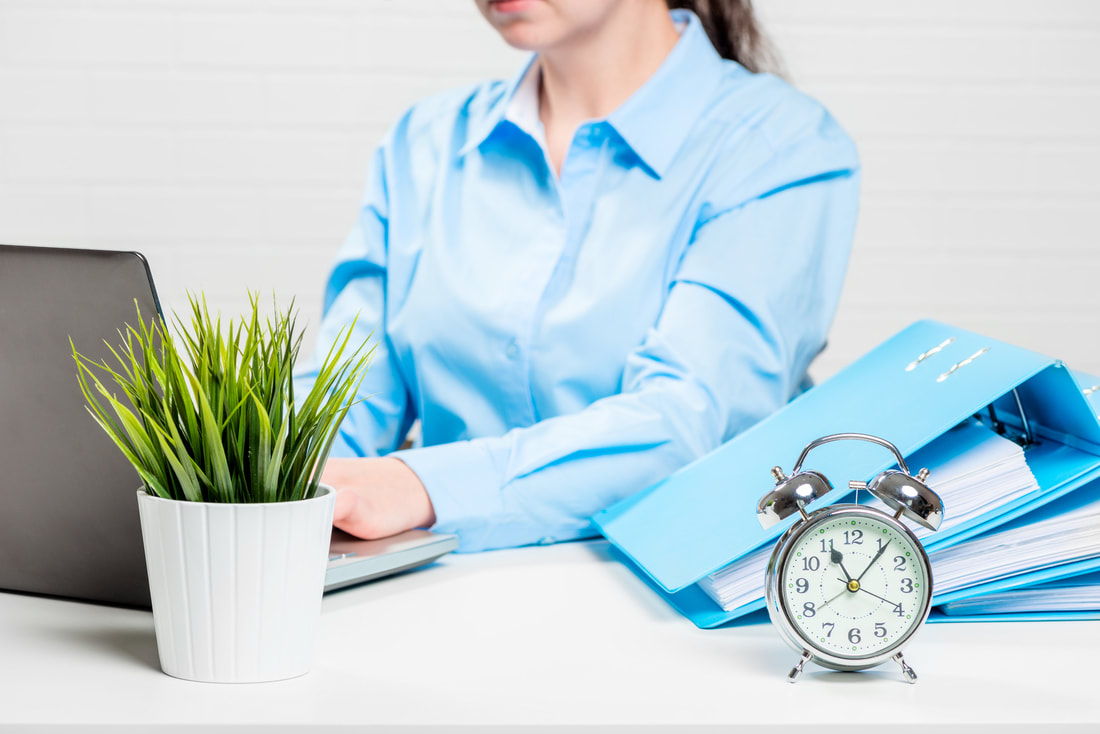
(780, 615)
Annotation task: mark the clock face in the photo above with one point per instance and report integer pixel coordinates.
(854, 585)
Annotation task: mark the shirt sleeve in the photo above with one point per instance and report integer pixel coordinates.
(748, 309)
(356, 290)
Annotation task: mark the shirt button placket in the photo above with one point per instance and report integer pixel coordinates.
(529, 307)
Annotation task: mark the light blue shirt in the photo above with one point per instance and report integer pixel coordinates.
(567, 341)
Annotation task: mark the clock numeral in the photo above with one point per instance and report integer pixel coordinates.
(880, 629)
(808, 609)
(899, 563)
(853, 636)
(856, 537)
(830, 625)
(882, 543)
(823, 548)
(802, 586)
(898, 610)
(811, 563)
(907, 586)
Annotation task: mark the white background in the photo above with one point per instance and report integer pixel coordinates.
(228, 140)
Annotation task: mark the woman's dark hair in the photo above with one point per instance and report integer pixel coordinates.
(734, 31)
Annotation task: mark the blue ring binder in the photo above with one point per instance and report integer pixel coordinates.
(702, 518)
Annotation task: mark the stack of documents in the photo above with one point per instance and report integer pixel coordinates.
(1034, 560)
(974, 471)
(972, 468)
(1073, 535)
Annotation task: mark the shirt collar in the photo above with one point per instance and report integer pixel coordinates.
(496, 112)
(654, 121)
(523, 106)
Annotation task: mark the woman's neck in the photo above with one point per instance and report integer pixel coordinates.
(590, 74)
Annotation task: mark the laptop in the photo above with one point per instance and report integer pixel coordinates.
(68, 515)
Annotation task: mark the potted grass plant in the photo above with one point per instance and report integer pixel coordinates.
(235, 524)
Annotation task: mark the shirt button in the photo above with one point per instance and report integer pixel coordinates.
(513, 349)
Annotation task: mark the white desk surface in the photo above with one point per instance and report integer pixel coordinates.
(547, 635)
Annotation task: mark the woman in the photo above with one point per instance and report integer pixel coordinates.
(585, 278)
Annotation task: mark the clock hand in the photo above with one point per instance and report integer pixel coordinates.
(848, 588)
(838, 558)
(843, 591)
(874, 560)
(879, 597)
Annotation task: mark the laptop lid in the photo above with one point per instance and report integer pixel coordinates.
(68, 519)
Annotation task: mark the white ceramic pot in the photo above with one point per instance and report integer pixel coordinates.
(236, 588)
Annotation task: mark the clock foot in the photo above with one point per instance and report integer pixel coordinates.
(910, 675)
(797, 670)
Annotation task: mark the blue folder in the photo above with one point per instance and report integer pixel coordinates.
(909, 390)
(1077, 579)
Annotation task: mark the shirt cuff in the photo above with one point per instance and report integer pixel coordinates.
(464, 487)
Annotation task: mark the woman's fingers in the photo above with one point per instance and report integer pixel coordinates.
(352, 515)
(376, 498)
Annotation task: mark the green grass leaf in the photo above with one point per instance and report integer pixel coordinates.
(209, 413)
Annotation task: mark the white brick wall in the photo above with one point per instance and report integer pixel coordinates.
(979, 126)
(228, 140)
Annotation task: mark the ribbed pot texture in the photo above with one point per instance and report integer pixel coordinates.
(236, 588)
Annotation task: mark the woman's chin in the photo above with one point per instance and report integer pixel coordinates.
(526, 36)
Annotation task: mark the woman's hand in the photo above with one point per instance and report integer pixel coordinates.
(376, 498)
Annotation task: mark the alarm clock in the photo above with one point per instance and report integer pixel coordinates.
(849, 585)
